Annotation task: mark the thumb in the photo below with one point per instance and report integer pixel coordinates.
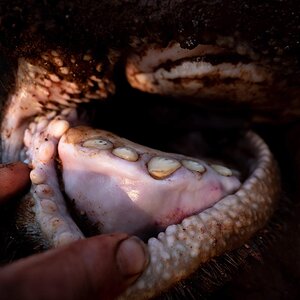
(14, 178)
(96, 268)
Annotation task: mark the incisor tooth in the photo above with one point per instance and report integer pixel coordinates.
(58, 127)
(162, 167)
(48, 206)
(193, 165)
(126, 153)
(46, 151)
(98, 143)
(37, 176)
(44, 191)
(222, 170)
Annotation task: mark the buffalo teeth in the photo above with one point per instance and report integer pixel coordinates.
(44, 191)
(46, 151)
(101, 144)
(193, 165)
(48, 206)
(162, 167)
(126, 153)
(222, 170)
(37, 176)
(58, 127)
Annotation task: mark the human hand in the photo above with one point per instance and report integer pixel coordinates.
(14, 178)
(99, 267)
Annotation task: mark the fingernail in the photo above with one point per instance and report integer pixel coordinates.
(132, 256)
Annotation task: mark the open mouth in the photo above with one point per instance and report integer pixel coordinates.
(188, 206)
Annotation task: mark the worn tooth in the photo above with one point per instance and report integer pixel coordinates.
(44, 191)
(37, 176)
(126, 153)
(58, 127)
(46, 151)
(98, 143)
(161, 167)
(48, 206)
(56, 223)
(193, 165)
(222, 170)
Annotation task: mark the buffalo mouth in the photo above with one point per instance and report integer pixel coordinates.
(188, 208)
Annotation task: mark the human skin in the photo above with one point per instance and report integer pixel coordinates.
(100, 267)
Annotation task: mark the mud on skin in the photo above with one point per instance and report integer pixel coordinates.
(200, 58)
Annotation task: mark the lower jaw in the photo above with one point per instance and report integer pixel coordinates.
(183, 248)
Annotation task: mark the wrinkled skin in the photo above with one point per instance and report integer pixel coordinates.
(70, 26)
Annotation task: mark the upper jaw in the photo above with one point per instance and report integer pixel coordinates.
(152, 189)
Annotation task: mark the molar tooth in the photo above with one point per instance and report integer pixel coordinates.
(48, 206)
(162, 167)
(46, 151)
(58, 127)
(37, 176)
(98, 143)
(126, 153)
(222, 170)
(193, 165)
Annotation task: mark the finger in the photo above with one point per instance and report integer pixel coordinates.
(14, 178)
(96, 268)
